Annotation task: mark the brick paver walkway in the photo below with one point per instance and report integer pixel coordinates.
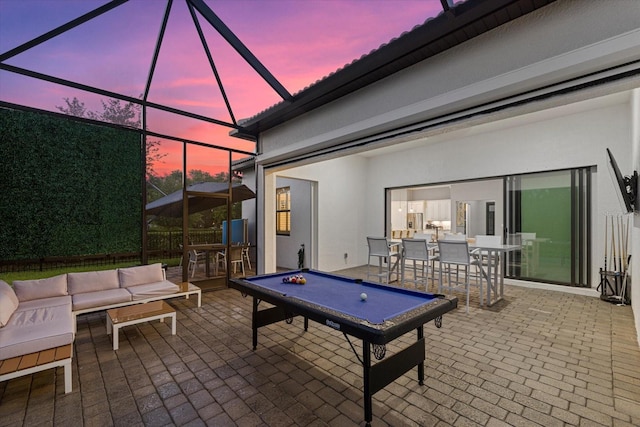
(537, 358)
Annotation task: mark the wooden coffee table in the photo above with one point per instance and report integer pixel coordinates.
(139, 313)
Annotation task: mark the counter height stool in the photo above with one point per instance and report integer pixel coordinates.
(428, 236)
(416, 251)
(455, 253)
(455, 236)
(379, 248)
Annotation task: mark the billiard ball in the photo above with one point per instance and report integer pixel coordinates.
(363, 296)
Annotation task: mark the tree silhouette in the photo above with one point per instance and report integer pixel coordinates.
(74, 108)
(113, 111)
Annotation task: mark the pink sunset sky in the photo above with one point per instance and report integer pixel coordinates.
(298, 41)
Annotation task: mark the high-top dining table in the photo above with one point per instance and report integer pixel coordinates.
(494, 272)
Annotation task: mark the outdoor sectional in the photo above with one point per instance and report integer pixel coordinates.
(38, 317)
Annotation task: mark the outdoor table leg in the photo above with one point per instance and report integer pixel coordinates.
(116, 333)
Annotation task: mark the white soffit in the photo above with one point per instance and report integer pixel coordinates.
(522, 91)
(517, 116)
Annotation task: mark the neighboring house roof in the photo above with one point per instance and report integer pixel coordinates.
(243, 164)
(200, 198)
(452, 27)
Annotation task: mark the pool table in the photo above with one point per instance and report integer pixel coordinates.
(377, 318)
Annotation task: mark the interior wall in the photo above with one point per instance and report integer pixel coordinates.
(477, 218)
(398, 209)
(476, 194)
(287, 247)
(435, 193)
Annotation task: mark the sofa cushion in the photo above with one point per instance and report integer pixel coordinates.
(8, 302)
(33, 330)
(45, 302)
(91, 281)
(139, 275)
(150, 290)
(100, 298)
(27, 290)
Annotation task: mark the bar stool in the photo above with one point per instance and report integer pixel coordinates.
(455, 253)
(379, 248)
(417, 252)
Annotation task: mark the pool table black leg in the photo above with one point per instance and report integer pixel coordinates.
(366, 365)
(254, 322)
(421, 364)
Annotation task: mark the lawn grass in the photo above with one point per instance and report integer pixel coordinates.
(34, 275)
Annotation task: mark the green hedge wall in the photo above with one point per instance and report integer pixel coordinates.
(67, 188)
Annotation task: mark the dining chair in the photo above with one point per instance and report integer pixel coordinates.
(379, 248)
(221, 259)
(455, 253)
(454, 236)
(245, 255)
(526, 255)
(486, 240)
(417, 252)
(529, 252)
(239, 254)
(237, 258)
(450, 236)
(194, 258)
(426, 236)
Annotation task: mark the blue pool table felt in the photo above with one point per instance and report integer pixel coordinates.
(343, 295)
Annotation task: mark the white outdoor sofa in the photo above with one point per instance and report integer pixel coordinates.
(38, 317)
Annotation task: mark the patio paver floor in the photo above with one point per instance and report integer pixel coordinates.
(536, 358)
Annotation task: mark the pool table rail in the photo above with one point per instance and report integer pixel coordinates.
(382, 333)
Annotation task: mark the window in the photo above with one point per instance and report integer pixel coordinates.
(283, 211)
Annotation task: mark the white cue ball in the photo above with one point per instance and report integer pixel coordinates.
(363, 296)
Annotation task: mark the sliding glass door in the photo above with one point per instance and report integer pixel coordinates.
(547, 214)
